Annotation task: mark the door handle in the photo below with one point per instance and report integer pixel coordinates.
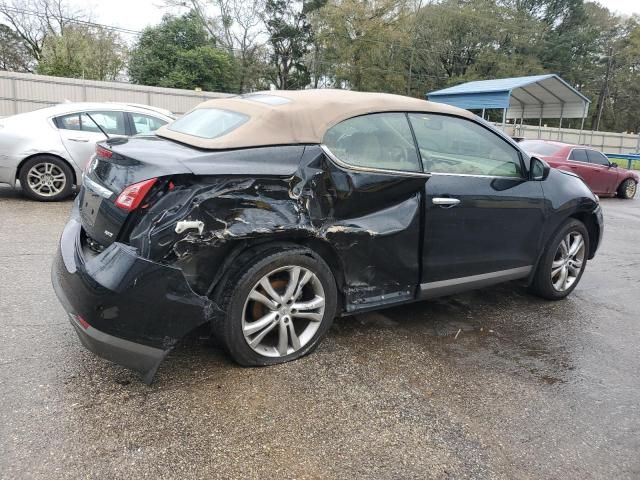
(445, 202)
(84, 140)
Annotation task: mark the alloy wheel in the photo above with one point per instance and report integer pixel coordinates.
(283, 311)
(630, 189)
(46, 179)
(567, 262)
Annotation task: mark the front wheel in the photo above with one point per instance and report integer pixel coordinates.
(277, 307)
(563, 262)
(627, 189)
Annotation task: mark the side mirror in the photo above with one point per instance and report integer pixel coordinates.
(614, 165)
(539, 169)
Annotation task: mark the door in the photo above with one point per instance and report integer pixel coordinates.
(483, 218)
(578, 163)
(603, 176)
(374, 207)
(80, 132)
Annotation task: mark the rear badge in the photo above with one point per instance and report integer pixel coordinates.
(108, 233)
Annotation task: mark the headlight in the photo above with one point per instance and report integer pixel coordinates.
(597, 198)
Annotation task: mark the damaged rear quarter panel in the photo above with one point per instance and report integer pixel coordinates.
(370, 222)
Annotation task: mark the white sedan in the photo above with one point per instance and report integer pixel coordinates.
(47, 149)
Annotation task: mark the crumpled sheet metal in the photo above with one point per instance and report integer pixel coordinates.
(370, 221)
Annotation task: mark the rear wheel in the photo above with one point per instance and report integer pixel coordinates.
(278, 306)
(562, 262)
(627, 189)
(46, 178)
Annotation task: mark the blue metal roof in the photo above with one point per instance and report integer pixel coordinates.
(530, 96)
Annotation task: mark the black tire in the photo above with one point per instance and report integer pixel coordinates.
(61, 166)
(238, 283)
(627, 189)
(542, 284)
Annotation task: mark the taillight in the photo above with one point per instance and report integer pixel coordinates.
(103, 152)
(131, 196)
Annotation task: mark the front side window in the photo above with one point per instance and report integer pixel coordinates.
(578, 155)
(145, 123)
(377, 140)
(208, 122)
(458, 146)
(111, 122)
(597, 158)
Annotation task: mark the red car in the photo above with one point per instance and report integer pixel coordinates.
(603, 177)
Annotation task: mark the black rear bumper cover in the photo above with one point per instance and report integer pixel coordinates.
(136, 310)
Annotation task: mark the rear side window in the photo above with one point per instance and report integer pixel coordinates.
(379, 140)
(456, 145)
(578, 155)
(208, 122)
(541, 148)
(597, 158)
(145, 123)
(111, 122)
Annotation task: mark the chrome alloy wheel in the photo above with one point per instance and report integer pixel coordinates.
(283, 311)
(46, 179)
(630, 189)
(567, 262)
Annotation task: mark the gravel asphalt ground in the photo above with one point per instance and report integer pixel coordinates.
(489, 384)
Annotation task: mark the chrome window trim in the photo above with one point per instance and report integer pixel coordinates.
(343, 164)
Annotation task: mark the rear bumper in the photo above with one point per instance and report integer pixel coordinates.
(132, 355)
(125, 308)
(7, 170)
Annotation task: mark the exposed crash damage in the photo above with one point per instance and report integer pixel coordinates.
(263, 245)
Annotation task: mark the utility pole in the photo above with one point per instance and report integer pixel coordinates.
(413, 46)
(604, 90)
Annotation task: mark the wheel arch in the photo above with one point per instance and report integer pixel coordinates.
(250, 249)
(593, 228)
(35, 155)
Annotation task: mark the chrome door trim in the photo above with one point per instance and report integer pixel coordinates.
(454, 285)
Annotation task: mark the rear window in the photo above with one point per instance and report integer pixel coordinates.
(542, 148)
(208, 122)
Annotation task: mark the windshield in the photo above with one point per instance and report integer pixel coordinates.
(542, 148)
(208, 122)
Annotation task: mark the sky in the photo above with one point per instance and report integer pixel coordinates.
(137, 14)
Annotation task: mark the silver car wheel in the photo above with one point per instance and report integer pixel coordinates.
(568, 261)
(46, 179)
(283, 311)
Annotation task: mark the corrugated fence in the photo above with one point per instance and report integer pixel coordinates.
(608, 142)
(23, 92)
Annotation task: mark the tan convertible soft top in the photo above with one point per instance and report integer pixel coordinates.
(299, 116)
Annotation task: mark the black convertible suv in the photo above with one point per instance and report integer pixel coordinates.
(261, 217)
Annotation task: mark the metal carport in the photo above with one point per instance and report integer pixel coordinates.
(539, 96)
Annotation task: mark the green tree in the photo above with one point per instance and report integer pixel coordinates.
(83, 52)
(363, 44)
(180, 53)
(14, 56)
(290, 37)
